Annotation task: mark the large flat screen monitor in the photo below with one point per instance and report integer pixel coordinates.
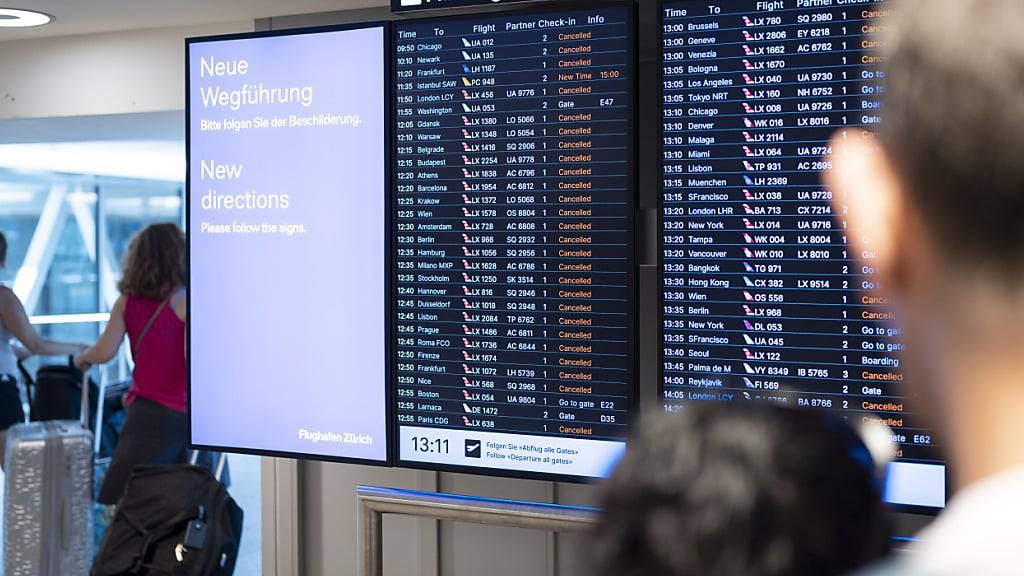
(762, 298)
(514, 241)
(287, 228)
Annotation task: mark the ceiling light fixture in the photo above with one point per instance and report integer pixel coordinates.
(16, 18)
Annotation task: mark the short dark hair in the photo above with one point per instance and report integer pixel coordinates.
(953, 122)
(3, 250)
(154, 265)
(741, 490)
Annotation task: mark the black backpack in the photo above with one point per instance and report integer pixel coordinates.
(173, 520)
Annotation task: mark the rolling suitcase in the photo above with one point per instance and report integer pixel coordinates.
(48, 528)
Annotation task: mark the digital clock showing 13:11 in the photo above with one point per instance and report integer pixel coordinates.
(432, 445)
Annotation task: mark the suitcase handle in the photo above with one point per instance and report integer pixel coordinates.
(218, 471)
(84, 418)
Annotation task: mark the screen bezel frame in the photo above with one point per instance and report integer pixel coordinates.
(397, 8)
(630, 7)
(661, 4)
(385, 27)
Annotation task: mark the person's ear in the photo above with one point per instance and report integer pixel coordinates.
(868, 203)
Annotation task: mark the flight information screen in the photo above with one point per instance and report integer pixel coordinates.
(762, 297)
(514, 241)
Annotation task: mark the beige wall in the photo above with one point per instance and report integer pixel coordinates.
(98, 74)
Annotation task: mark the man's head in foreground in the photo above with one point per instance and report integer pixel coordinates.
(741, 490)
(935, 206)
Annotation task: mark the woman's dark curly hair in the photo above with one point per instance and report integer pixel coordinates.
(154, 266)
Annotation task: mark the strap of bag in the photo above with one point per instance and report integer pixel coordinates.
(29, 384)
(151, 537)
(149, 324)
(25, 373)
(154, 537)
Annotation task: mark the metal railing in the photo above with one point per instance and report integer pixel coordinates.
(373, 502)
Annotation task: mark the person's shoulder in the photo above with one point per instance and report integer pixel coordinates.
(126, 301)
(10, 306)
(178, 301)
(7, 295)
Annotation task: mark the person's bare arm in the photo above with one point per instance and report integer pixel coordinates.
(12, 312)
(109, 343)
(179, 303)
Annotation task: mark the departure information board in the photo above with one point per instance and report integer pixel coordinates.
(514, 241)
(762, 297)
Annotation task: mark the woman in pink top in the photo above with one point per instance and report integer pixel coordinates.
(151, 311)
